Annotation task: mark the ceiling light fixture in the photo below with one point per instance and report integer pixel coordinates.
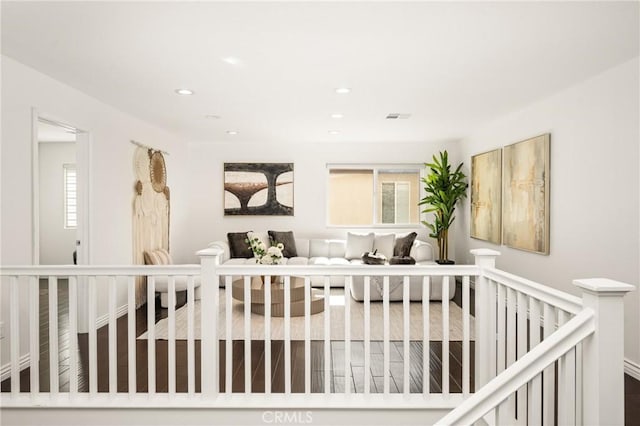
(232, 132)
(343, 90)
(337, 115)
(184, 92)
(334, 132)
(212, 116)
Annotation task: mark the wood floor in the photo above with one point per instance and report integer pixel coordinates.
(632, 387)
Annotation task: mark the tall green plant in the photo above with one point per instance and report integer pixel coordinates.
(444, 189)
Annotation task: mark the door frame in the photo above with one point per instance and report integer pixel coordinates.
(83, 155)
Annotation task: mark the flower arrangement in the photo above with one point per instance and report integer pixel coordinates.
(263, 254)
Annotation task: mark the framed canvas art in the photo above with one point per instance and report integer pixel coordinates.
(264, 189)
(525, 209)
(486, 196)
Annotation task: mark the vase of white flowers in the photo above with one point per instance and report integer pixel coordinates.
(265, 255)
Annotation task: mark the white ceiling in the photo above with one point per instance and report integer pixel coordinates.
(452, 66)
(51, 133)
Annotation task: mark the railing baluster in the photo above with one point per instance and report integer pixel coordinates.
(113, 339)
(566, 381)
(228, 358)
(151, 333)
(327, 336)
(508, 410)
(466, 359)
(307, 335)
(171, 356)
(93, 336)
(54, 367)
(14, 309)
(191, 353)
(501, 330)
(548, 375)
(445, 336)
(492, 315)
(367, 334)
(406, 335)
(73, 336)
(386, 349)
(347, 335)
(523, 308)
(34, 338)
(287, 334)
(426, 332)
(247, 333)
(535, 385)
(267, 335)
(131, 335)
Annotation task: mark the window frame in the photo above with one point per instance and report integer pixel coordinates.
(376, 168)
(65, 197)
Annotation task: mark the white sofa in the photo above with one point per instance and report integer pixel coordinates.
(334, 252)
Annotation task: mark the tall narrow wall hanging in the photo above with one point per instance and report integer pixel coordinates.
(486, 196)
(150, 210)
(526, 195)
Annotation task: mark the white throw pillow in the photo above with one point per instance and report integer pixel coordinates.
(357, 244)
(384, 244)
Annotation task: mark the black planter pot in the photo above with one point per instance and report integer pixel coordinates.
(445, 262)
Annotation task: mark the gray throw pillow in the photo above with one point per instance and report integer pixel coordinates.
(238, 245)
(287, 239)
(404, 244)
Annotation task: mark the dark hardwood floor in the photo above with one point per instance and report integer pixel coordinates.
(632, 387)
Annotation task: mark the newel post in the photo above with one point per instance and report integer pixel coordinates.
(603, 352)
(485, 317)
(209, 304)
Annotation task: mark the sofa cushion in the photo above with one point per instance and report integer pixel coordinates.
(384, 243)
(357, 244)
(287, 239)
(328, 261)
(403, 245)
(297, 261)
(238, 246)
(157, 257)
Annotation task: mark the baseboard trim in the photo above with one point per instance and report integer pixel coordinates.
(6, 369)
(632, 369)
(104, 319)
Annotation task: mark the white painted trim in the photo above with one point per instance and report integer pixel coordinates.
(5, 372)
(104, 319)
(632, 369)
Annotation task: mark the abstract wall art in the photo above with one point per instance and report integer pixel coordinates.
(525, 210)
(253, 189)
(486, 196)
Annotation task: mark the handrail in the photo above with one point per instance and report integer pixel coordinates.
(354, 270)
(91, 270)
(546, 294)
(522, 371)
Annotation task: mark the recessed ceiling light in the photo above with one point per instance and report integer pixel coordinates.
(231, 60)
(337, 115)
(334, 132)
(212, 116)
(184, 92)
(232, 132)
(343, 90)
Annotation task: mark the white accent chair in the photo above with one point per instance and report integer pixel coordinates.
(162, 257)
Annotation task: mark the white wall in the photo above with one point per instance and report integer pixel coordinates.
(57, 243)
(594, 128)
(112, 174)
(206, 217)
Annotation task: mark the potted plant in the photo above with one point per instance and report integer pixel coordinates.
(444, 189)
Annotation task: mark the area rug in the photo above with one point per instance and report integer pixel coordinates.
(337, 300)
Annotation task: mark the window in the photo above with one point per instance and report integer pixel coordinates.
(70, 197)
(373, 195)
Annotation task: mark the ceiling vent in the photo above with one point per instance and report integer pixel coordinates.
(397, 115)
